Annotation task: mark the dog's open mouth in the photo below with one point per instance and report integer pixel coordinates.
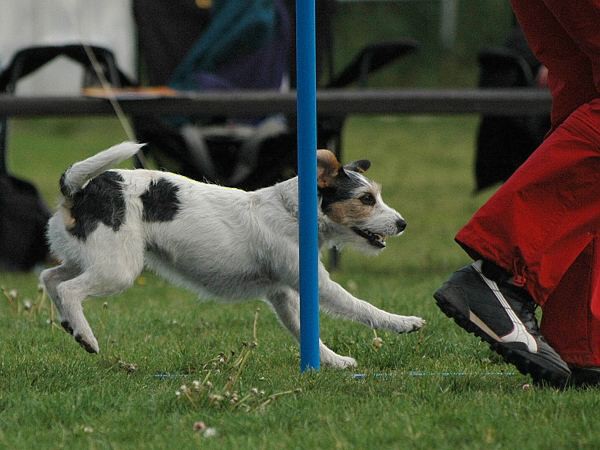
(376, 240)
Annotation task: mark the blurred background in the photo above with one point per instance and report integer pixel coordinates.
(225, 45)
(450, 34)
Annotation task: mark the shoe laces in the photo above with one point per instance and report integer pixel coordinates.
(528, 316)
(525, 309)
(522, 303)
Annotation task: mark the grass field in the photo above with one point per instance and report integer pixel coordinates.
(439, 388)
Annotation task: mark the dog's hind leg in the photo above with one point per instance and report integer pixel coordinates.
(336, 300)
(286, 303)
(52, 277)
(73, 292)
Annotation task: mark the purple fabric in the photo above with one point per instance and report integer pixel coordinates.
(263, 69)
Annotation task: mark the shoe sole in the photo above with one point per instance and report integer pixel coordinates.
(583, 377)
(513, 353)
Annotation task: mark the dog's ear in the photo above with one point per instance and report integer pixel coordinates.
(360, 166)
(328, 167)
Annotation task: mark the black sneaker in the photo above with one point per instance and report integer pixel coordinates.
(582, 377)
(502, 315)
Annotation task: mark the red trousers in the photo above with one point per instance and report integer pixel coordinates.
(543, 224)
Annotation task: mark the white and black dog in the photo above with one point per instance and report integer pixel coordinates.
(219, 242)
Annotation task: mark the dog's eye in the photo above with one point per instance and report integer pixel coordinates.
(367, 199)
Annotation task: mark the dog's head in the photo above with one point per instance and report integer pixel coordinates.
(351, 200)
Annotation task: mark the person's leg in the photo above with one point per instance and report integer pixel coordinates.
(543, 226)
(564, 36)
(538, 230)
(539, 222)
(550, 27)
(572, 326)
(580, 20)
(540, 225)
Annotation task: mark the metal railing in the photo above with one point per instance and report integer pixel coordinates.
(514, 101)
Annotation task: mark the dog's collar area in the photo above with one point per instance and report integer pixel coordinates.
(376, 240)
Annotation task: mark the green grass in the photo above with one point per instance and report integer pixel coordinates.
(439, 388)
(479, 24)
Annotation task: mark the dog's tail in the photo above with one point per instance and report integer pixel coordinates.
(79, 173)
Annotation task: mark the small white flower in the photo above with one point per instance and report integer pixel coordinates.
(210, 432)
(215, 398)
(88, 429)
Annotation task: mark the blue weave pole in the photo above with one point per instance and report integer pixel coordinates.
(307, 184)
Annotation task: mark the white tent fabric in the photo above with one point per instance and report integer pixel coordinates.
(107, 23)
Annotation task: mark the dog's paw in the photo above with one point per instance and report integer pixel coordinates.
(84, 338)
(407, 324)
(339, 362)
(89, 343)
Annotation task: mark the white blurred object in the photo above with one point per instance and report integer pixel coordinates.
(24, 23)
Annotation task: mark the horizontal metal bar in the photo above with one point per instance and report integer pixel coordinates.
(329, 103)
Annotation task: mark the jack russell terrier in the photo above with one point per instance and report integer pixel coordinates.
(217, 241)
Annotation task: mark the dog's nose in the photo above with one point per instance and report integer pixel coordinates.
(401, 225)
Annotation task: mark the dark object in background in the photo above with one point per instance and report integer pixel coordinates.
(226, 46)
(160, 45)
(23, 218)
(505, 142)
(23, 213)
(257, 52)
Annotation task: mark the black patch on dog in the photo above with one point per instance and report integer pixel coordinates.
(160, 201)
(88, 348)
(63, 187)
(344, 188)
(100, 201)
(67, 327)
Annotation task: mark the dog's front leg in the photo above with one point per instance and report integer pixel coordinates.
(286, 303)
(336, 300)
